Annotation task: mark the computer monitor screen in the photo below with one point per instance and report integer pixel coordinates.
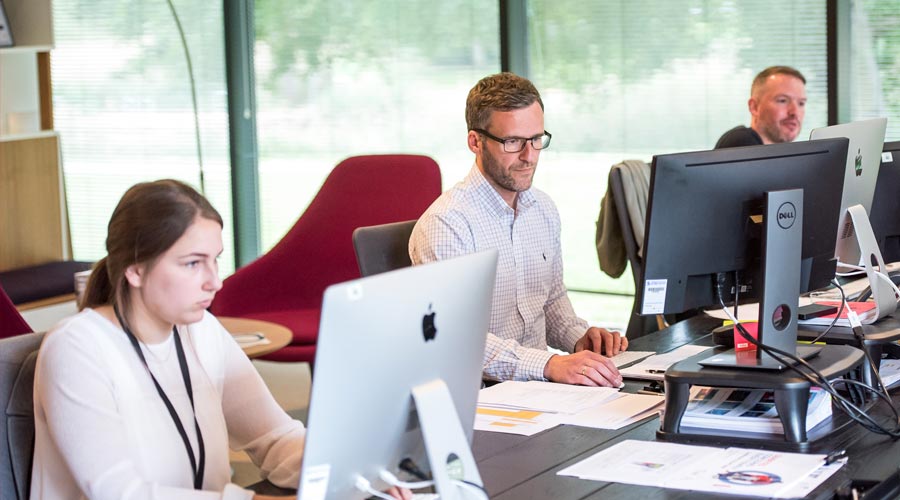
(704, 218)
(885, 213)
(861, 172)
(379, 338)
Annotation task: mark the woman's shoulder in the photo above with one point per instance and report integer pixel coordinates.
(85, 323)
(85, 335)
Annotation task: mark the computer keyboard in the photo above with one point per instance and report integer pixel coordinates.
(628, 357)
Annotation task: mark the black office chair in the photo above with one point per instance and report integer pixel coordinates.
(382, 248)
(17, 362)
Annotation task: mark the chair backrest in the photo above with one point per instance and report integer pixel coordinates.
(637, 325)
(11, 322)
(17, 361)
(631, 245)
(318, 250)
(382, 248)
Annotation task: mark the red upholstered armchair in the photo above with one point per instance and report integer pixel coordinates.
(11, 322)
(285, 285)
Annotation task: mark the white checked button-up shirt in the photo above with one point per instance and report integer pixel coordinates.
(531, 309)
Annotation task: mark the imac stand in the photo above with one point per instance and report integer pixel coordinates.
(446, 445)
(882, 293)
(777, 328)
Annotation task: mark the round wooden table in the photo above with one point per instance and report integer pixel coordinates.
(277, 335)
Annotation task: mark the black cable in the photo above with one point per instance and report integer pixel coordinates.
(850, 409)
(861, 338)
(409, 466)
(855, 413)
(835, 282)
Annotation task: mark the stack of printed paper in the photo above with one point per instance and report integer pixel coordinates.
(890, 371)
(530, 407)
(747, 410)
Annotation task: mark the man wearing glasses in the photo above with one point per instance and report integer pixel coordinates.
(495, 207)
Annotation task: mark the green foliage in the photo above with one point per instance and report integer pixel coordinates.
(312, 35)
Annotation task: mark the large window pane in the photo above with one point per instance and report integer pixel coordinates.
(633, 78)
(122, 104)
(336, 79)
(875, 62)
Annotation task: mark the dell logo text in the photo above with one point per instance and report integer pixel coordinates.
(787, 212)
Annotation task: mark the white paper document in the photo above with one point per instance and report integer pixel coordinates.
(654, 367)
(618, 413)
(734, 471)
(628, 357)
(547, 397)
(509, 421)
(527, 408)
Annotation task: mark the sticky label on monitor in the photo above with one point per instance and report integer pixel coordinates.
(887, 157)
(654, 296)
(314, 482)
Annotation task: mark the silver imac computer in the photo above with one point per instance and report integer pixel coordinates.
(863, 159)
(856, 244)
(397, 374)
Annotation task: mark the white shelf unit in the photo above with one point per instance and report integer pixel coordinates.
(33, 220)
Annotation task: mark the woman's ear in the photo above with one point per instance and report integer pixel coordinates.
(135, 275)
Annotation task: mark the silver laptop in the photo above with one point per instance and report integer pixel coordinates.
(380, 337)
(863, 159)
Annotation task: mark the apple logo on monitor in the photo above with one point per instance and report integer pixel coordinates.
(858, 162)
(429, 331)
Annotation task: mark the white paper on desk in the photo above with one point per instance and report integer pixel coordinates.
(734, 471)
(760, 473)
(522, 422)
(648, 368)
(617, 413)
(545, 397)
(628, 357)
(645, 463)
(807, 484)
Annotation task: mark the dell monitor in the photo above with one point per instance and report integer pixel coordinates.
(397, 374)
(885, 213)
(705, 223)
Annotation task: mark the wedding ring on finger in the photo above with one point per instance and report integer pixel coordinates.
(583, 369)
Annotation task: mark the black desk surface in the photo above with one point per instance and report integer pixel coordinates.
(525, 467)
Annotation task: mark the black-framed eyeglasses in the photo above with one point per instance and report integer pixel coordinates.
(517, 144)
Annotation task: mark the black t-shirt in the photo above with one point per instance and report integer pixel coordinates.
(739, 136)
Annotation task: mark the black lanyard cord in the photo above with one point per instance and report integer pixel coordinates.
(196, 469)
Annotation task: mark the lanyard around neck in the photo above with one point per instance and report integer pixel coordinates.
(197, 469)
